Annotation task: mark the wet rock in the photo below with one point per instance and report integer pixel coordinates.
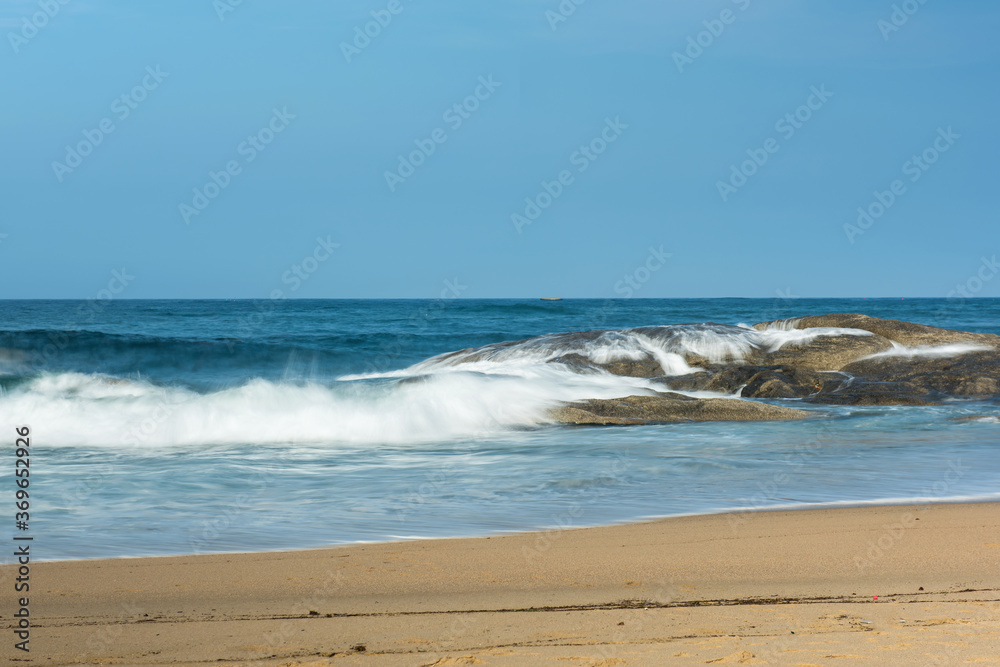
(646, 367)
(865, 392)
(826, 353)
(854, 360)
(669, 408)
(575, 361)
(974, 374)
(789, 382)
(720, 379)
(904, 333)
(639, 368)
(755, 381)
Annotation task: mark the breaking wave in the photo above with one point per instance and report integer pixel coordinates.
(464, 394)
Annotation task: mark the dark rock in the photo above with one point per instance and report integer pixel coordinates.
(969, 375)
(720, 379)
(789, 382)
(755, 381)
(414, 379)
(864, 392)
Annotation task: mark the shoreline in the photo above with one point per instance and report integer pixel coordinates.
(799, 507)
(680, 590)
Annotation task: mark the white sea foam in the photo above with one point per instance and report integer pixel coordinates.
(784, 325)
(773, 340)
(891, 500)
(929, 351)
(71, 409)
(670, 346)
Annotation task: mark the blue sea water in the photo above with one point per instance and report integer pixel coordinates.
(172, 427)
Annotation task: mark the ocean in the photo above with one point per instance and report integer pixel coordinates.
(179, 427)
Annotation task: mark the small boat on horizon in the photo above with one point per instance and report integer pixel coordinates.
(550, 299)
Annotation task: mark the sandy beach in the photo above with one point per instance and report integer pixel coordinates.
(889, 585)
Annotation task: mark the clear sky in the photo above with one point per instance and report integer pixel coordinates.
(231, 149)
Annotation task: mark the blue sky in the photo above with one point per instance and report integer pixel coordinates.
(644, 125)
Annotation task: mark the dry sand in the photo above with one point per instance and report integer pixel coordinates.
(767, 588)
